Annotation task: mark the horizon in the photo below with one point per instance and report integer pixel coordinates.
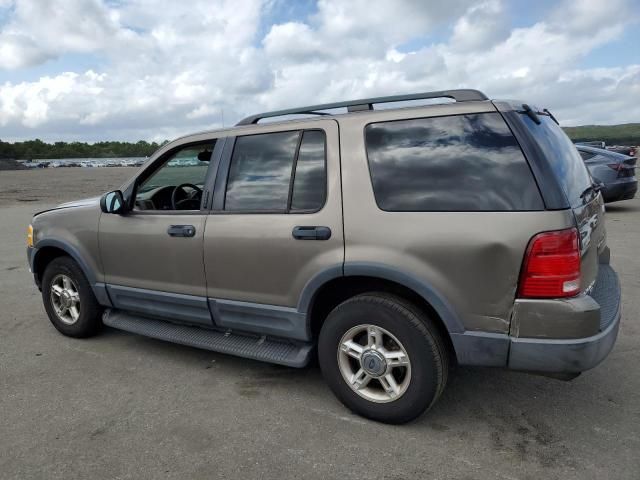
(167, 140)
(98, 70)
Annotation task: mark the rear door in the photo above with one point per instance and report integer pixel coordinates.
(276, 222)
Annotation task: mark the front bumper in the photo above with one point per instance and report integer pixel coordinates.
(574, 355)
(31, 255)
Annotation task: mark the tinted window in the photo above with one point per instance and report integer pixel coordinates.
(310, 180)
(562, 156)
(260, 172)
(454, 163)
(586, 155)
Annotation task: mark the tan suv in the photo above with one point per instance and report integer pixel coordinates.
(396, 241)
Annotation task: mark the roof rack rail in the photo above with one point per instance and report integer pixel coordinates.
(462, 95)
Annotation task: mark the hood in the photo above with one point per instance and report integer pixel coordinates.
(85, 202)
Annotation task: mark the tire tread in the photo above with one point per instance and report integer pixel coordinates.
(422, 323)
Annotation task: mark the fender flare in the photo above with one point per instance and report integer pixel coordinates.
(69, 250)
(375, 270)
(99, 289)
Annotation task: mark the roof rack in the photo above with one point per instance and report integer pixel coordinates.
(463, 95)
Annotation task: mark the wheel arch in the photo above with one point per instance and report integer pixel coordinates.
(332, 288)
(47, 250)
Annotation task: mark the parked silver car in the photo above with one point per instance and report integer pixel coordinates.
(392, 242)
(615, 171)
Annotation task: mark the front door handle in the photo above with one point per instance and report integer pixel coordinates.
(181, 231)
(311, 233)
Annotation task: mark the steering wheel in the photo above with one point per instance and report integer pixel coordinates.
(191, 200)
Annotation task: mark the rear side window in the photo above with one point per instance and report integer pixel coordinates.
(277, 172)
(310, 180)
(563, 157)
(454, 163)
(261, 171)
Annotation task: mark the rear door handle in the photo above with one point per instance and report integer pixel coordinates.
(181, 231)
(311, 233)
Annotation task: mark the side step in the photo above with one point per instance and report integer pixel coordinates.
(254, 347)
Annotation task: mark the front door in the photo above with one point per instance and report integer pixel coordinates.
(276, 222)
(152, 255)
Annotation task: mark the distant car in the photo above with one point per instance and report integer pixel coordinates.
(624, 150)
(616, 171)
(595, 144)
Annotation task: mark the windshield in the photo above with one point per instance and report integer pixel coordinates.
(564, 158)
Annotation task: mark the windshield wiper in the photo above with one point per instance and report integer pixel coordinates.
(530, 113)
(551, 115)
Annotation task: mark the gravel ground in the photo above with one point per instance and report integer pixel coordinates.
(123, 406)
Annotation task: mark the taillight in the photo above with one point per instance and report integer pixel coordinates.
(615, 166)
(551, 267)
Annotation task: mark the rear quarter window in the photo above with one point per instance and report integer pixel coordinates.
(455, 163)
(562, 155)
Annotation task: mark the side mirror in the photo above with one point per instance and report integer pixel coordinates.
(112, 202)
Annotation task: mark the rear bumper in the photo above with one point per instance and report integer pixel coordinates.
(563, 356)
(600, 311)
(624, 190)
(574, 355)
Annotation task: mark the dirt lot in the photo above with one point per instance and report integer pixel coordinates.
(56, 185)
(123, 406)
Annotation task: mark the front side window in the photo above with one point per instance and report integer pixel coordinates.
(177, 184)
(277, 172)
(454, 163)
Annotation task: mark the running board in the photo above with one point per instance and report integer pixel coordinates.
(254, 347)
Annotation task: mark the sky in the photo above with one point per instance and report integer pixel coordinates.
(92, 70)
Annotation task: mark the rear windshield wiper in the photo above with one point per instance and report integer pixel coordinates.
(551, 115)
(530, 113)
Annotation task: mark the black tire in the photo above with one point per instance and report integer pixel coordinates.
(418, 335)
(89, 320)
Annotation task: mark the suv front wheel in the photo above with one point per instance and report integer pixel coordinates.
(68, 299)
(382, 357)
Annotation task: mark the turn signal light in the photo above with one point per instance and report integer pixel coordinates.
(30, 236)
(551, 267)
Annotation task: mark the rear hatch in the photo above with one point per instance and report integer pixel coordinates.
(576, 182)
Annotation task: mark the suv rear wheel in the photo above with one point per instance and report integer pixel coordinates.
(383, 357)
(68, 299)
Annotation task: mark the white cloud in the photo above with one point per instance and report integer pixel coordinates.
(47, 29)
(584, 16)
(481, 27)
(18, 50)
(166, 68)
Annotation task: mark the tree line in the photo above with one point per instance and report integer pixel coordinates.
(628, 134)
(625, 134)
(37, 149)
